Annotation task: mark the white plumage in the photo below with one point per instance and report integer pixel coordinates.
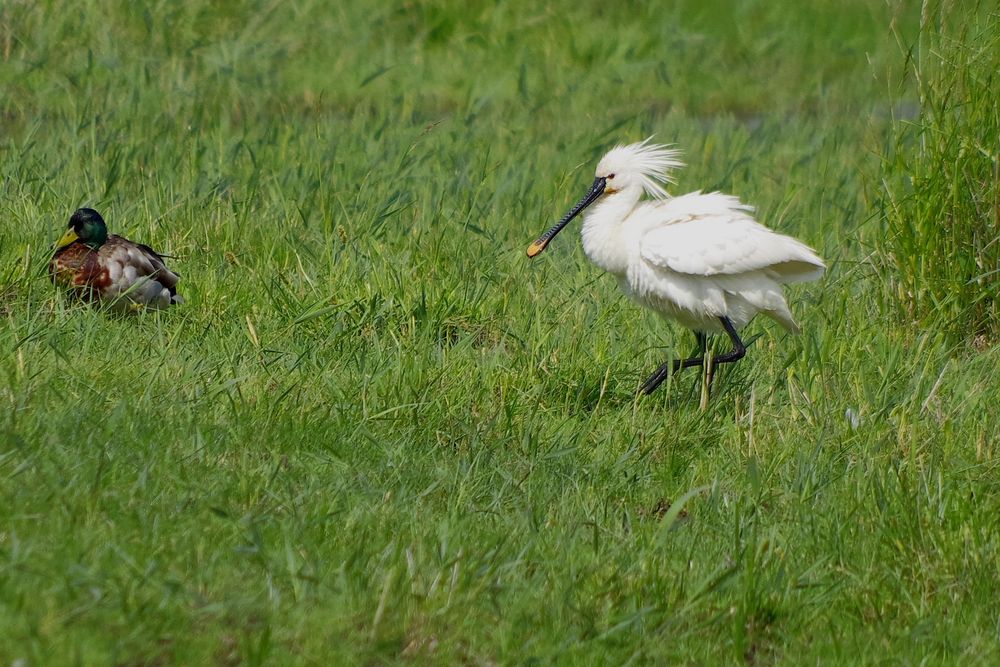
(699, 258)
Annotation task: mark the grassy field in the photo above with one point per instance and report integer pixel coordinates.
(376, 433)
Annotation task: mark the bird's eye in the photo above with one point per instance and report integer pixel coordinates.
(610, 176)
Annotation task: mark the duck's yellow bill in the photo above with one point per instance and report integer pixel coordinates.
(67, 238)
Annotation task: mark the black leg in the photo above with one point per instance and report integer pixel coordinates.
(666, 370)
(738, 352)
(671, 367)
(739, 349)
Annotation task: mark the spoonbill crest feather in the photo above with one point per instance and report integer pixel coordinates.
(642, 163)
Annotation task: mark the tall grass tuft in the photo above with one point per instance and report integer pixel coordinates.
(939, 199)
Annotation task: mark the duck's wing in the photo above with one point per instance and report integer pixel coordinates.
(713, 234)
(139, 273)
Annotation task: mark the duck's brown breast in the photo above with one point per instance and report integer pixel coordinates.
(79, 268)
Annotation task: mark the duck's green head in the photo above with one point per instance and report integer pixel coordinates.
(86, 226)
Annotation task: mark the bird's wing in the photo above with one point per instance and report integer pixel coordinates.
(714, 234)
(128, 261)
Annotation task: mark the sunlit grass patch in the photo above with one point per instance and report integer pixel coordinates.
(375, 433)
(940, 256)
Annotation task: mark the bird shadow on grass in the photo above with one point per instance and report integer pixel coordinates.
(588, 390)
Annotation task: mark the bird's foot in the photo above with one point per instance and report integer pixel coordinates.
(666, 370)
(655, 380)
(661, 374)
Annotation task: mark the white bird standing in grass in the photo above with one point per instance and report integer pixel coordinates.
(700, 259)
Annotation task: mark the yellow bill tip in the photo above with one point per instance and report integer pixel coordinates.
(536, 248)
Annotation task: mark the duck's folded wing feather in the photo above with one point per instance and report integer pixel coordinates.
(130, 261)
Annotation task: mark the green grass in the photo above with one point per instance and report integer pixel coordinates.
(376, 433)
(940, 194)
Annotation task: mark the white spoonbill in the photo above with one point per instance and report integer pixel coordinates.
(699, 258)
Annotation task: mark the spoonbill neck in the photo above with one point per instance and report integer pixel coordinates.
(604, 237)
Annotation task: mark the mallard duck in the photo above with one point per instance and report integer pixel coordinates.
(99, 267)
